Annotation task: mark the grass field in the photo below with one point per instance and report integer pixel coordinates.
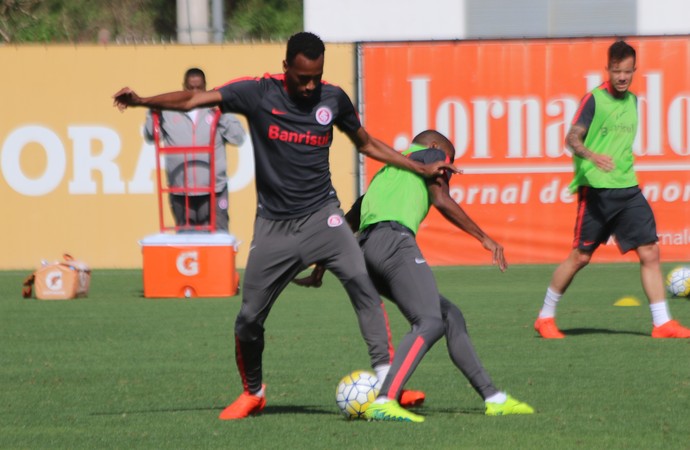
(116, 370)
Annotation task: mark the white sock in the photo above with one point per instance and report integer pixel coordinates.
(550, 302)
(381, 399)
(381, 373)
(660, 313)
(261, 393)
(499, 397)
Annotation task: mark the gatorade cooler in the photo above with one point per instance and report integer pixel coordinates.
(189, 265)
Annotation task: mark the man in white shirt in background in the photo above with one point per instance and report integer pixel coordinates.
(191, 209)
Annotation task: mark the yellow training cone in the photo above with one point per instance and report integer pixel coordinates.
(627, 301)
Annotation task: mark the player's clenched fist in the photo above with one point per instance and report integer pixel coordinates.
(124, 98)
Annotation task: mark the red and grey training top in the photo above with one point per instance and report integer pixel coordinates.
(291, 142)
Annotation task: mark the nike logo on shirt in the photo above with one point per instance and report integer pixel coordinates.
(277, 112)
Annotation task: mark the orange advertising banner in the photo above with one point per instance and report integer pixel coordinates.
(507, 106)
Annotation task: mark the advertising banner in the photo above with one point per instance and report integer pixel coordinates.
(77, 175)
(507, 106)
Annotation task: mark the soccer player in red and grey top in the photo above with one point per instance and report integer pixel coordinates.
(610, 201)
(298, 219)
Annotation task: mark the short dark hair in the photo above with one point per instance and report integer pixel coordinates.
(428, 137)
(194, 72)
(620, 50)
(306, 43)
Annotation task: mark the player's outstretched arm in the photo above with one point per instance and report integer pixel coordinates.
(374, 148)
(179, 100)
(441, 199)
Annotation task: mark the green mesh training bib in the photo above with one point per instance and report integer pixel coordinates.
(388, 188)
(612, 133)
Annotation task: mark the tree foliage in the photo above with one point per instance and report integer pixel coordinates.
(265, 19)
(89, 21)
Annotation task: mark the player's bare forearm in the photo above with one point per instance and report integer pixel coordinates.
(575, 142)
(314, 279)
(458, 217)
(179, 100)
(375, 149)
(126, 97)
(380, 151)
(441, 199)
(425, 170)
(439, 192)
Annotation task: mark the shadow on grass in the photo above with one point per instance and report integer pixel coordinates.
(297, 409)
(290, 409)
(269, 410)
(585, 331)
(426, 411)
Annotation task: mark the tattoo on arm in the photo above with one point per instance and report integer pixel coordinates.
(575, 141)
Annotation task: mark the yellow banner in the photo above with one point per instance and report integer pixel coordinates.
(77, 176)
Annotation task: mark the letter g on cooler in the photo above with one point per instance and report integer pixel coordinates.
(188, 263)
(54, 280)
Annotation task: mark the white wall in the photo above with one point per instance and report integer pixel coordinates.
(390, 20)
(381, 20)
(663, 17)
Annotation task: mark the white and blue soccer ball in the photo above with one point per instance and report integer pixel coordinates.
(355, 392)
(678, 281)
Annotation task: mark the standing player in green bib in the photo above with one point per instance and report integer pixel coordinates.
(610, 202)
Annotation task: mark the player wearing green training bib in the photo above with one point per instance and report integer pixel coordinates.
(392, 185)
(388, 217)
(610, 202)
(611, 124)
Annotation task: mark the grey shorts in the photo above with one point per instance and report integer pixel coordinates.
(280, 249)
(622, 213)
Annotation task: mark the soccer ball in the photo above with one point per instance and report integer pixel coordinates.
(355, 392)
(678, 281)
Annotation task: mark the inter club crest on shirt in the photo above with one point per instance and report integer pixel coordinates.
(324, 115)
(335, 220)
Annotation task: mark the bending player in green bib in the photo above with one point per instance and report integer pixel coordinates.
(387, 218)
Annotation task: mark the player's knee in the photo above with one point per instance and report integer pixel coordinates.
(361, 290)
(649, 253)
(247, 330)
(453, 319)
(581, 259)
(432, 328)
(350, 273)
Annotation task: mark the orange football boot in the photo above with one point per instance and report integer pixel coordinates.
(410, 398)
(546, 327)
(671, 329)
(246, 405)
